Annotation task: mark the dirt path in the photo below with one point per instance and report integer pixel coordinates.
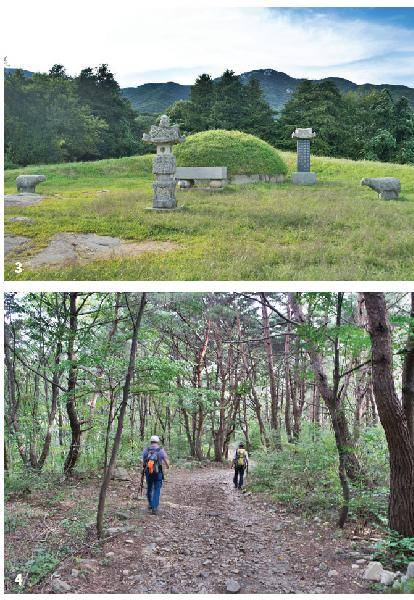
(207, 533)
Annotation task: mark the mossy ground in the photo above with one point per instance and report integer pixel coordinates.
(335, 230)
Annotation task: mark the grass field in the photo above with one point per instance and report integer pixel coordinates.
(336, 230)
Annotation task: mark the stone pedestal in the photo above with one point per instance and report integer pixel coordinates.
(164, 166)
(303, 176)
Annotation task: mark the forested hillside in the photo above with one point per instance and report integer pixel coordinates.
(308, 381)
(277, 88)
(56, 118)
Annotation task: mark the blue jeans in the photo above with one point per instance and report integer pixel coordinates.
(154, 483)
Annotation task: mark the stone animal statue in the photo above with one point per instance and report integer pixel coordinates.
(26, 184)
(388, 188)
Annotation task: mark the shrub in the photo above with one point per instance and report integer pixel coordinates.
(241, 153)
(395, 551)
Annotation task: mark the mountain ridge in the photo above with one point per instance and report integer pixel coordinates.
(277, 88)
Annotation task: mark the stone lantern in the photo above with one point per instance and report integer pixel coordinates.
(303, 175)
(164, 136)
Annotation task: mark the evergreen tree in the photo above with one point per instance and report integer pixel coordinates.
(201, 103)
(317, 105)
(258, 115)
(403, 121)
(45, 121)
(228, 110)
(100, 91)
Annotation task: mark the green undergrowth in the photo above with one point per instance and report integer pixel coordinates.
(304, 476)
(335, 230)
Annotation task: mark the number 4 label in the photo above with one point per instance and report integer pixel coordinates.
(19, 579)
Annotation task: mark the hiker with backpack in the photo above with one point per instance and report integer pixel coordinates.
(153, 460)
(240, 464)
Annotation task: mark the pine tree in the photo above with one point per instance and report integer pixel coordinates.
(258, 115)
(228, 110)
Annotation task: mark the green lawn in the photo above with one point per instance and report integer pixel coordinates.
(336, 230)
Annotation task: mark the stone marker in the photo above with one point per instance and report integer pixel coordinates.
(26, 184)
(303, 176)
(388, 188)
(164, 136)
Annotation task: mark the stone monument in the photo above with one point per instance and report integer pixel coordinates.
(164, 165)
(303, 176)
(26, 184)
(388, 188)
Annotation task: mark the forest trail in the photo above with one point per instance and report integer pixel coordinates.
(207, 533)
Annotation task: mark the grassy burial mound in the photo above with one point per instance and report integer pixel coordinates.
(334, 230)
(241, 153)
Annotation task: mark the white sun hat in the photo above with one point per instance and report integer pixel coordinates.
(155, 438)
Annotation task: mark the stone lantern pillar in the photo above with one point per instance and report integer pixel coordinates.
(303, 175)
(164, 165)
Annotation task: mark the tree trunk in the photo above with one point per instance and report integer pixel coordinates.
(124, 403)
(408, 376)
(75, 426)
(393, 418)
(274, 407)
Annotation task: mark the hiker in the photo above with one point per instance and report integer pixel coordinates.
(240, 463)
(153, 459)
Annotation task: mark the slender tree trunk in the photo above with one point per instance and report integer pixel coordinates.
(393, 418)
(123, 407)
(274, 406)
(53, 408)
(75, 426)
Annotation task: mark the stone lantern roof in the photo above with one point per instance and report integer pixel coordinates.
(303, 133)
(164, 133)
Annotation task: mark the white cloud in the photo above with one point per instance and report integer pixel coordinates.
(164, 42)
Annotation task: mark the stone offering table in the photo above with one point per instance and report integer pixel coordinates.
(213, 177)
(303, 176)
(164, 136)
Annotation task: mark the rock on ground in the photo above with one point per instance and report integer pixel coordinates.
(387, 577)
(60, 587)
(373, 572)
(11, 242)
(72, 248)
(22, 199)
(232, 586)
(410, 570)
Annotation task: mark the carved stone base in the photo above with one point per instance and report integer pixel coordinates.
(304, 178)
(164, 194)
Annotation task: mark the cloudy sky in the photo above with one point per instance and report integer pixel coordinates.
(160, 42)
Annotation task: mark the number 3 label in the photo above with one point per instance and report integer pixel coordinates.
(19, 268)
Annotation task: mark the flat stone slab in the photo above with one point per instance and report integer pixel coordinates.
(73, 248)
(201, 173)
(22, 199)
(11, 242)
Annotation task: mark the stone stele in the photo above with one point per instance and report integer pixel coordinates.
(303, 175)
(26, 184)
(388, 188)
(164, 136)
